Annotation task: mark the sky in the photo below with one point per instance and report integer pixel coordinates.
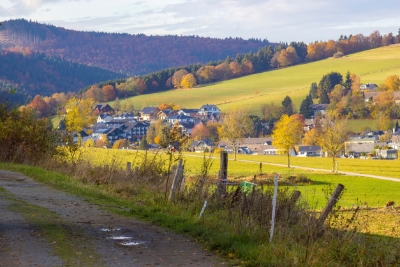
(275, 20)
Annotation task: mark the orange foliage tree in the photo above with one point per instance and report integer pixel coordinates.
(109, 93)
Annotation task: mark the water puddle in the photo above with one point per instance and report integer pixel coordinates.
(130, 243)
(110, 229)
(120, 237)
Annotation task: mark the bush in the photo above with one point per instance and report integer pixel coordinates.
(338, 55)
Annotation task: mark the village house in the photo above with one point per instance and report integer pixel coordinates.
(205, 145)
(164, 114)
(149, 113)
(104, 117)
(310, 151)
(180, 118)
(368, 86)
(209, 110)
(103, 108)
(319, 109)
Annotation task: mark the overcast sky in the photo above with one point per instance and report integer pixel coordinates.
(276, 20)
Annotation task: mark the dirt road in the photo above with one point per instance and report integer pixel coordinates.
(83, 233)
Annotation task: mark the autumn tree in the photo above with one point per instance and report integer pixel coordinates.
(89, 143)
(236, 69)
(288, 57)
(334, 134)
(287, 134)
(200, 132)
(177, 78)
(95, 93)
(355, 82)
(311, 137)
(39, 105)
(393, 83)
(143, 143)
(235, 125)
(103, 142)
(116, 105)
(213, 129)
(79, 114)
(109, 92)
(188, 81)
(122, 143)
(207, 74)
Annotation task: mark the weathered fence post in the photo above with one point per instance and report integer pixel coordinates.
(295, 196)
(203, 209)
(175, 181)
(271, 234)
(136, 170)
(128, 168)
(223, 172)
(331, 203)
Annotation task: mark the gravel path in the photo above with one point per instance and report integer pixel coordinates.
(20, 243)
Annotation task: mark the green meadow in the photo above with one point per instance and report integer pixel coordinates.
(359, 190)
(272, 86)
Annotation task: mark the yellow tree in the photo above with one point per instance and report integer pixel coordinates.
(79, 114)
(188, 81)
(392, 82)
(236, 124)
(122, 143)
(287, 134)
(333, 135)
(311, 137)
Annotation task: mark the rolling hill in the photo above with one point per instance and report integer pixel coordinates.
(37, 73)
(272, 86)
(129, 54)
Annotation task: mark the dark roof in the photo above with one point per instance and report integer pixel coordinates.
(148, 110)
(319, 106)
(180, 117)
(187, 125)
(103, 115)
(207, 106)
(190, 110)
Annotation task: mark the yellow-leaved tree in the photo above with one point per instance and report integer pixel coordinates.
(334, 134)
(236, 124)
(79, 114)
(188, 81)
(287, 134)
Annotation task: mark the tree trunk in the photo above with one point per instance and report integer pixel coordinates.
(333, 163)
(234, 150)
(288, 159)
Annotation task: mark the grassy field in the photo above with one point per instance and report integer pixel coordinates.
(359, 190)
(272, 86)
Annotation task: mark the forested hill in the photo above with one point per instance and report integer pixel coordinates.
(37, 73)
(125, 53)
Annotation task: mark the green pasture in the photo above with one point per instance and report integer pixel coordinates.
(272, 86)
(359, 190)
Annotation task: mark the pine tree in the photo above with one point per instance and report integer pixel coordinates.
(324, 99)
(305, 108)
(347, 83)
(314, 90)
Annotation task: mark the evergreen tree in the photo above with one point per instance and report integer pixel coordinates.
(314, 90)
(324, 99)
(143, 143)
(305, 108)
(347, 83)
(397, 126)
(287, 104)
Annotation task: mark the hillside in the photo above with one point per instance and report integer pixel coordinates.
(131, 54)
(272, 86)
(36, 73)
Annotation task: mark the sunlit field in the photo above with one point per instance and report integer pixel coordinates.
(272, 86)
(367, 192)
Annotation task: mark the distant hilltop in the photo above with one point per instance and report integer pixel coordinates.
(124, 53)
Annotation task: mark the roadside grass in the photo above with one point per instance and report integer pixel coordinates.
(68, 242)
(243, 247)
(373, 66)
(342, 246)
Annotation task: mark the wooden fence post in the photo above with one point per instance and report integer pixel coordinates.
(295, 196)
(271, 233)
(128, 168)
(223, 172)
(175, 181)
(331, 203)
